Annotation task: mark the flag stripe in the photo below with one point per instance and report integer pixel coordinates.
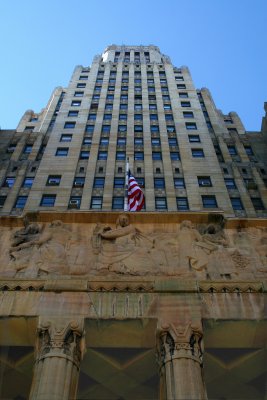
(136, 198)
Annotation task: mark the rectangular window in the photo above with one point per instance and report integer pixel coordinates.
(76, 103)
(154, 129)
(123, 106)
(29, 128)
(109, 107)
(194, 138)
(53, 180)
(66, 138)
(99, 182)
(155, 141)
(138, 117)
(257, 203)
(138, 128)
(27, 149)
(102, 155)
(191, 126)
(153, 117)
(104, 141)
(179, 183)
(209, 201)
(165, 97)
(170, 128)
(123, 117)
(117, 203)
(106, 129)
(89, 128)
(111, 88)
(69, 125)
(161, 203)
(62, 151)
(183, 95)
(119, 182)
(232, 150)
(230, 183)
(175, 155)
(249, 150)
(179, 78)
(75, 202)
(167, 107)
(78, 94)
(236, 203)
(48, 200)
(9, 181)
(204, 181)
(21, 201)
(83, 78)
(73, 113)
(96, 203)
(84, 155)
(28, 181)
(2, 201)
(92, 116)
(159, 183)
(120, 155)
(181, 86)
(138, 141)
(97, 88)
(197, 153)
(138, 107)
(156, 155)
(139, 155)
(185, 104)
(168, 117)
(107, 116)
(188, 114)
(80, 85)
(122, 128)
(124, 97)
(172, 142)
(78, 181)
(121, 141)
(182, 203)
(110, 97)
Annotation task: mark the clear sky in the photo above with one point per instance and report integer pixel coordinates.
(223, 42)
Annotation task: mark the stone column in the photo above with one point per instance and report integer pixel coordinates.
(180, 358)
(59, 350)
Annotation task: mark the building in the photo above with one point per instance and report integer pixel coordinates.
(189, 269)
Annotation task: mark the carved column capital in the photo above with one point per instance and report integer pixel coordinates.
(60, 336)
(180, 341)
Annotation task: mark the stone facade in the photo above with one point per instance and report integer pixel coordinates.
(167, 303)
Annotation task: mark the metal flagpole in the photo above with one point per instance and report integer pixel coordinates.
(126, 185)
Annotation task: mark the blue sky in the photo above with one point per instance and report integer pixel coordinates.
(223, 42)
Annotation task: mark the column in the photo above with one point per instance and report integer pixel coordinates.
(180, 353)
(59, 349)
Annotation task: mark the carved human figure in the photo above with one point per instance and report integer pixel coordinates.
(114, 248)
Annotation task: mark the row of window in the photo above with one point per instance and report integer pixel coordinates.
(137, 128)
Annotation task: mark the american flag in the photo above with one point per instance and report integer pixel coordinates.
(136, 198)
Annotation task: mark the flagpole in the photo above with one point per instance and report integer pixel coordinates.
(126, 185)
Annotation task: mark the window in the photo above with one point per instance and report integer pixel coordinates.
(89, 128)
(138, 141)
(165, 97)
(152, 97)
(110, 96)
(122, 128)
(152, 106)
(138, 128)
(124, 88)
(179, 183)
(75, 202)
(236, 203)
(83, 77)
(138, 155)
(87, 140)
(156, 155)
(11, 148)
(69, 125)
(120, 155)
(141, 182)
(121, 141)
(62, 151)
(185, 104)
(92, 116)
(84, 155)
(194, 138)
(158, 171)
(123, 117)
(118, 182)
(76, 103)
(106, 129)
(78, 94)
(168, 117)
(21, 201)
(191, 126)
(66, 138)
(99, 182)
(123, 106)
(170, 128)
(111, 88)
(175, 155)
(181, 86)
(167, 107)
(102, 155)
(29, 128)
(97, 89)
(2, 201)
(95, 97)
(78, 181)
(73, 113)
(204, 181)
(27, 149)
(209, 201)
(257, 203)
(160, 203)
(172, 142)
(81, 170)
(155, 141)
(197, 153)
(81, 85)
(159, 183)
(117, 203)
(151, 89)
(179, 78)
(138, 117)
(124, 97)
(138, 107)
(96, 203)
(153, 117)
(164, 89)
(183, 95)
(249, 150)
(230, 183)
(104, 141)
(109, 106)
(188, 114)
(232, 150)
(182, 203)
(9, 181)
(53, 180)
(48, 200)
(154, 129)
(107, 116)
